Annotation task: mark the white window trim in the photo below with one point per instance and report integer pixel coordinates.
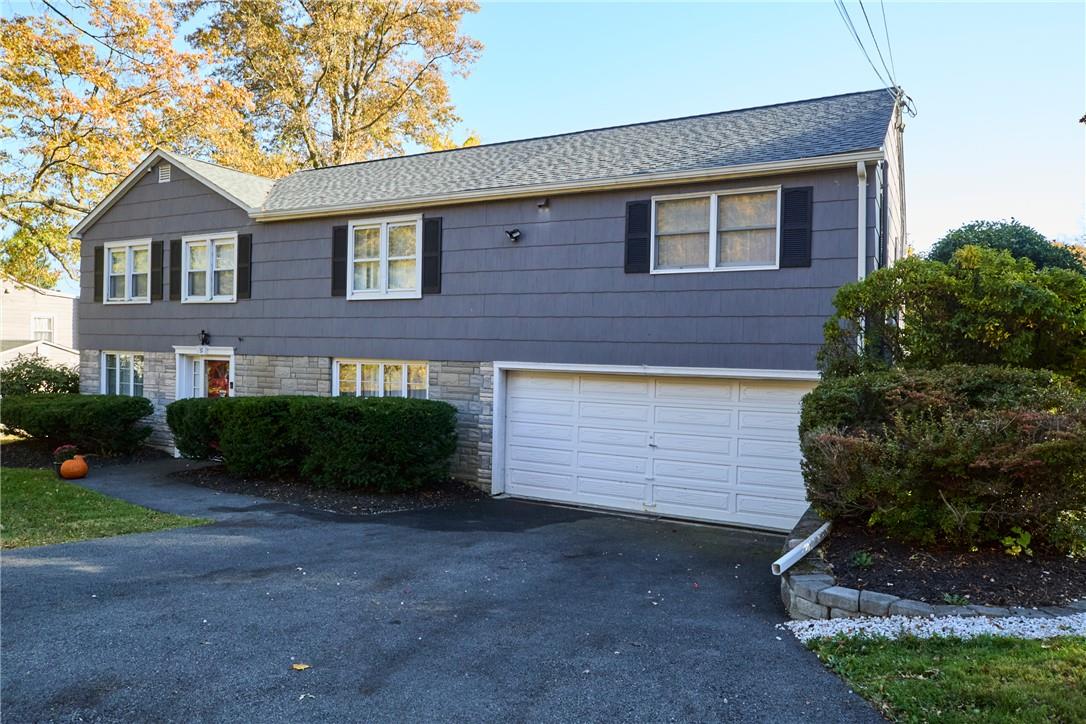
(52, 327)
(102, 388)
(380, 374)
(106, 266)
(382, 291)
(713, 197)
(209, 298)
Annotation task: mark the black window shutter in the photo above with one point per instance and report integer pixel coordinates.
(339, 261)
(796, 217)
(637, 236)
(175, 269)
(431, 255)
(245, 265)
(99, 272)
(156, 270)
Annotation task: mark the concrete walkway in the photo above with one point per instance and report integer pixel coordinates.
(488, 611)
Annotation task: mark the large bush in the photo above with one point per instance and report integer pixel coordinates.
(32, 374)
(960, 455)
(385, 444)
(983, 307)
(195, 432)
(1023, 242)
(107, 424)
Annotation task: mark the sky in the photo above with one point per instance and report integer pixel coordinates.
(998, 87)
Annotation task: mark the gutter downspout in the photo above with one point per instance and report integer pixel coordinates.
(861, 219)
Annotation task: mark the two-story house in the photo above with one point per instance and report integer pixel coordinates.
(36, 321)
(626, 317)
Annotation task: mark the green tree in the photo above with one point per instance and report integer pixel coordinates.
(982, 307)
(32, 374)
(1023, 242)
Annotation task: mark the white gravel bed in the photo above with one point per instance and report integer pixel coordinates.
(951, 626)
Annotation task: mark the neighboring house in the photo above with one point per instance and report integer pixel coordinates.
(625, 317)
(37, 321)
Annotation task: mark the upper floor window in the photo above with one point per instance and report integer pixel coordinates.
(41, 328)
(723, 231)
(128, 271)
(384, 258)
(122, 374)
(380, 378)
(208, 265)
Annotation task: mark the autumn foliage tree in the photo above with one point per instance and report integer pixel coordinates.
(336, 81)
(85, 92)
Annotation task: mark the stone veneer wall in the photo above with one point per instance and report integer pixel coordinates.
(469, 387)
(159, 386)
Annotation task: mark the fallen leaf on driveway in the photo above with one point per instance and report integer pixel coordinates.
(299, 667)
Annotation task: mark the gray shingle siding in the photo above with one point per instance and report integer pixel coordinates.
(560, 295)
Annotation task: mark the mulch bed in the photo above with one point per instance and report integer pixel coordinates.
(39, 454)
(988, 576)
(334, 500)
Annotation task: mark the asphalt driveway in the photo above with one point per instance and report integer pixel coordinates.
(496, 610)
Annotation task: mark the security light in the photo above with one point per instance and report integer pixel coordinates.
(513, 234)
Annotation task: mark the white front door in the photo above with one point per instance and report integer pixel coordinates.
(205, 373)
(721, 450)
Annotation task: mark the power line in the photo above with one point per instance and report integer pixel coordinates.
(847, 18)
(889, 48)
(876, 42)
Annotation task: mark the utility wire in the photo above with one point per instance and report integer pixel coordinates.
(889, 48)
(843, 12)
(875, 40)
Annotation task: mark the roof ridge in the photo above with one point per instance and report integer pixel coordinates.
(592, 130)
(186, 157)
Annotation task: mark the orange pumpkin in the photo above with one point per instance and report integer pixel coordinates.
(74, 468)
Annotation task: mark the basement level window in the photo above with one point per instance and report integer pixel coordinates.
(163, 173)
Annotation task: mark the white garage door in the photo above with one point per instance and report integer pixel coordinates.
(722, 450)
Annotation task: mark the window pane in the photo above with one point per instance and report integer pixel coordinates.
(682, 233)
(367, 243)
(347, 383)
(416, 381)
(137, 375)
(140, 260)
(139, 285)
(224, 256)
(224, 283)
(116, 287)
(756, 247)
(126, 374)
(394, 381)
(369, 380)
(117, 261)
(401, 274)
(366, 275)
(744, 210)
(111, 374)
(401, 240)
(197, 284)
(198, 256)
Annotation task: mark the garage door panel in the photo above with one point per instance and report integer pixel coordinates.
(706, 449)
(696, 472)
(705, 392)
(709, 419)
(521, 430)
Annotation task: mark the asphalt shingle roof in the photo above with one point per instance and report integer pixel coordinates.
(787, 131)
(251, 190)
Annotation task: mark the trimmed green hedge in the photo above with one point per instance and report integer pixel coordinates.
(959, 455)
(385, 444)
(107, 424)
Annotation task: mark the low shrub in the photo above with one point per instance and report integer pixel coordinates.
(195, 433)
(960, 455)
(386, 444)
(106, 424)
(32, 374)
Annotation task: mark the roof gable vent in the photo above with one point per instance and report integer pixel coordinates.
(163, 173)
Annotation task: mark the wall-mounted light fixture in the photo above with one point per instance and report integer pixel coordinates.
(205, 338)
(513, 234)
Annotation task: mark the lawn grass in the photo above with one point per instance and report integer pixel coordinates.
(37, 508)
(987, 679)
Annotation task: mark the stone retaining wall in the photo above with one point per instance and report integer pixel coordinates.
(810, 591)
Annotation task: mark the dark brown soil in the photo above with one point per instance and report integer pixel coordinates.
(988, 576)
(335, 500)
(39, 454)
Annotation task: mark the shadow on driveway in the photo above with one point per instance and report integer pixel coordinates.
(494, 610)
